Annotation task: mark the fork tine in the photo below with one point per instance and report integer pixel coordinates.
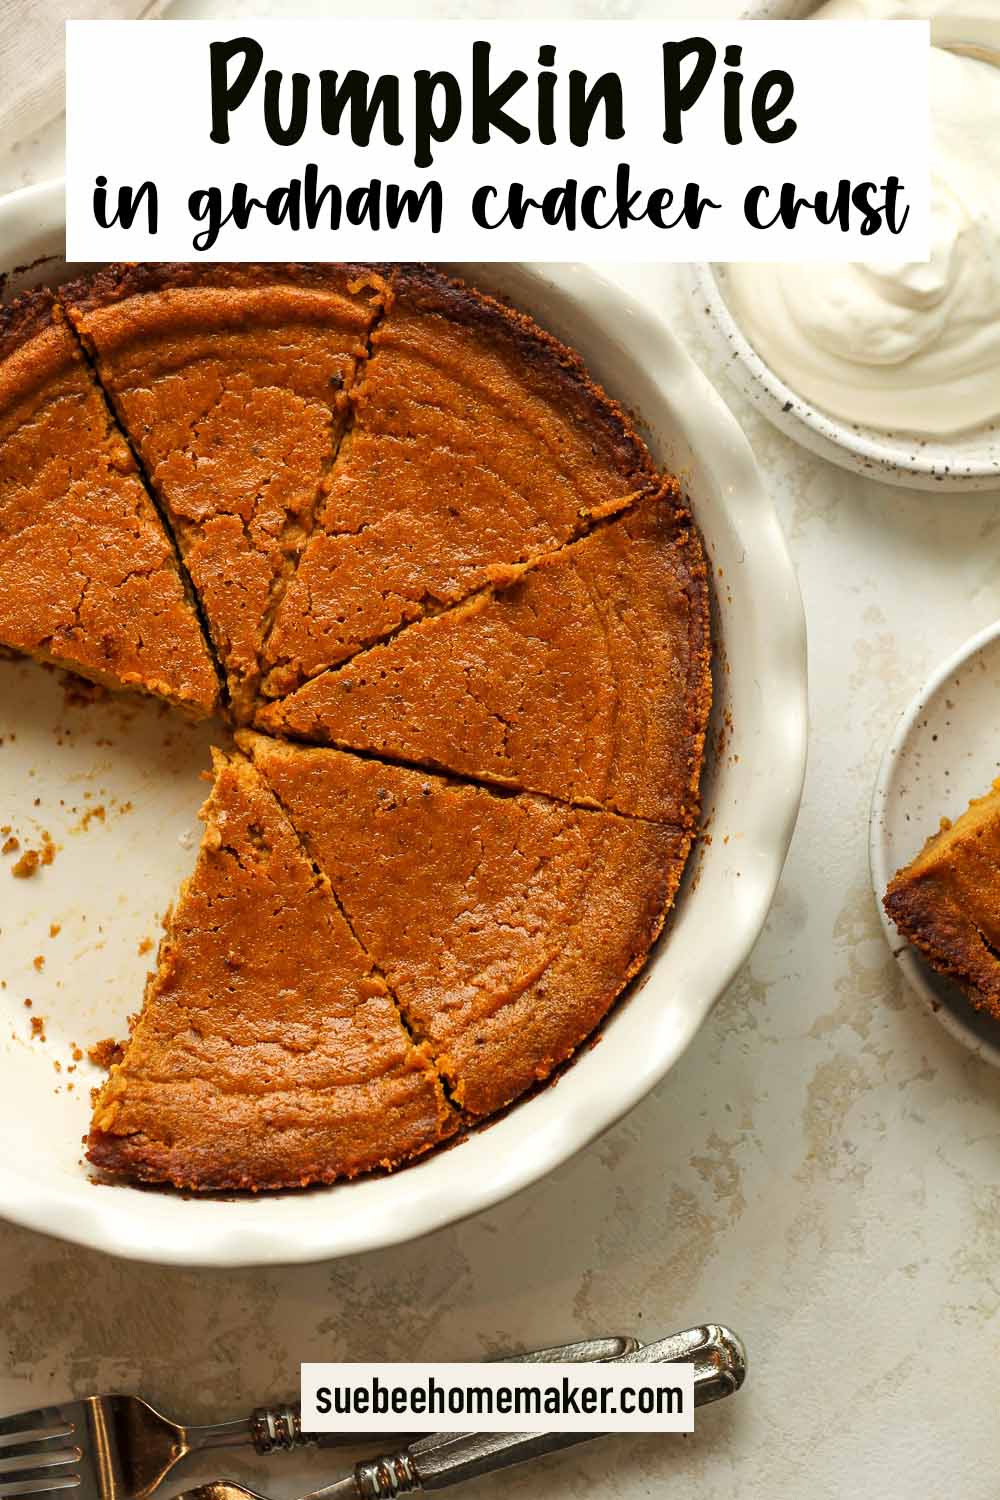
(12, 1457)
(49, 1421)
(37, 1482)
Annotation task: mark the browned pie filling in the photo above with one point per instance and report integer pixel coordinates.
(269, 1052)
(505, 925)
(477, 444)
(611, 628)
(231, 384)
(88, 575)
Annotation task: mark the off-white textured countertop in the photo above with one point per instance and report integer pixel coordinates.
(821, 1170)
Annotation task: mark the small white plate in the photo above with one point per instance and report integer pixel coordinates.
(943, 753)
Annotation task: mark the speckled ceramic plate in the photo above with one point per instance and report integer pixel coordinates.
(967, 462)
(945, 751)
(114, 871)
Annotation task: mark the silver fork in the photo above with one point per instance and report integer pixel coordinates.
(121, 1448)
(443, 1459)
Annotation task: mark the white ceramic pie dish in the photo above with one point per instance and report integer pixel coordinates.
(112, 878)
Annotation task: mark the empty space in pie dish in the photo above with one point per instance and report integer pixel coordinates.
(944, 751)
(106, 790)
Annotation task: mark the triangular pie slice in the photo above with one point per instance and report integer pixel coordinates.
(947, 901)
(478, 443)
(89, 578)
(231, 382)
(588, 679)
(505, 924)
(269, 1052)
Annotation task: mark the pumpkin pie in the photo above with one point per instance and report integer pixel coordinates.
(586, 679)
(423, 540)
(947, 901)
(231, 384)
(89, 578)
(477, 443)
(506, 925)
(269, 1051)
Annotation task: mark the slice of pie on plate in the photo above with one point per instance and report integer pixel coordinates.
(946, 902)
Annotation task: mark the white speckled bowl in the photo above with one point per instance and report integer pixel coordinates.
(969, 461)
(108, 883)
(941, 755)
(966, 463)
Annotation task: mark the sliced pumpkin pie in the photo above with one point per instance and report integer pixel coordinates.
(946, 901)
(478, 443)
(587, 679)
(88, 576)
(269, 1052)
(505, 924)
(231, 383)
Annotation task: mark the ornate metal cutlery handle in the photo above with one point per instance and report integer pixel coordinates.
(277, 1427)
(444, 1459)
(280, 1427)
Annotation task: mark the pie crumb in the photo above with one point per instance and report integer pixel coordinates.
(105, 1052)
(32, 859)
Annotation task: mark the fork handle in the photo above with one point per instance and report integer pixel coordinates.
(286, 1436)
(279, 1427)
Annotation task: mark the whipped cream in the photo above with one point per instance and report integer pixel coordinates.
(903, 346)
